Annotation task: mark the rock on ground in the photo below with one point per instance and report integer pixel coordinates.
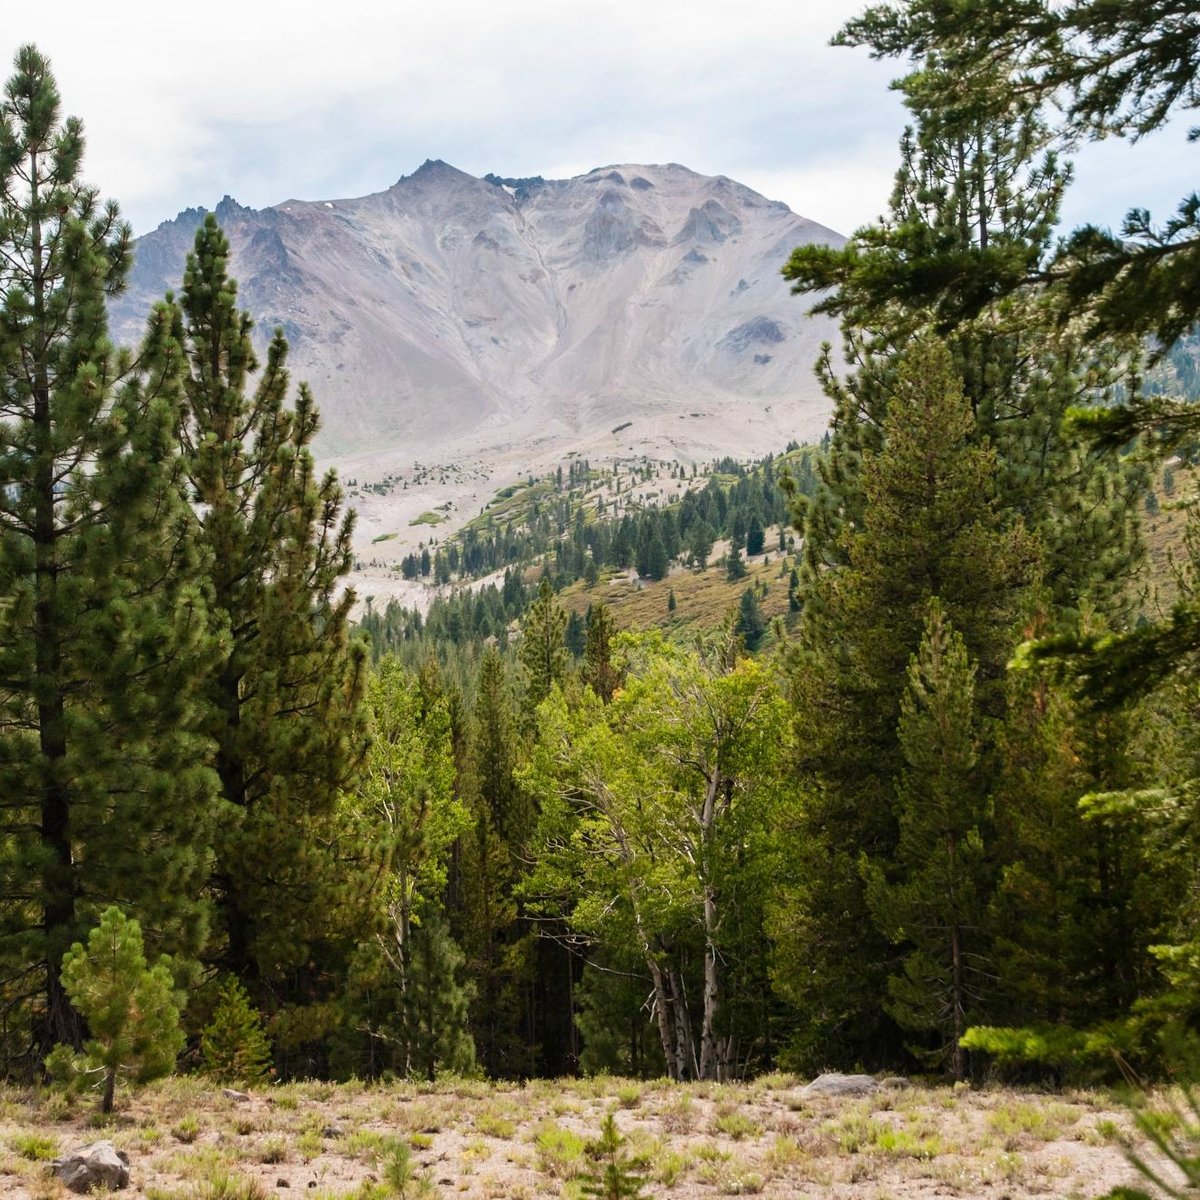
(834, 1084)
(99, 1165)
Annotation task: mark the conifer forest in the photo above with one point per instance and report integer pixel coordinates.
(937, 817)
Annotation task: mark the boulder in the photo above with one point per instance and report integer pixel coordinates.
(834, 1084)
(99, 1165)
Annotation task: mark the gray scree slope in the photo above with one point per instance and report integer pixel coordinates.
(451, 316)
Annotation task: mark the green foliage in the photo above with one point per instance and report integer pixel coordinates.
(930, 526)
(751, 624)
(405, 990)
(285, 703)
(930, 896)
(687, 753)
(543, 650)
(615, 1179)
(131, 1009)
(105, 639)
(1106, 69)
(598, 671)
(234, 1043)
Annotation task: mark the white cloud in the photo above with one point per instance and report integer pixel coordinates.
(268, 100)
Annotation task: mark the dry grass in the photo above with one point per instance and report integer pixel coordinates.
(702, 598)
(470, 1139)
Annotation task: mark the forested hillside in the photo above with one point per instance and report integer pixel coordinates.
(875, 754)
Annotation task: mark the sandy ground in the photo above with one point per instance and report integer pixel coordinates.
(187, 1141)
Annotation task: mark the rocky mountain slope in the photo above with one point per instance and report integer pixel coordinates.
(455, 310)
(460, 333)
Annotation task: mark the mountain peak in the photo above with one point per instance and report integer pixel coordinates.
(505, 312)
(435, 170)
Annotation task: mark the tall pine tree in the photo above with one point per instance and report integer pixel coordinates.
(974, 207)
(285, 705)
(930, 526)
(104, 637)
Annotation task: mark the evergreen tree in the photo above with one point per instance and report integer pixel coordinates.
(930, 526)
(974, 206)
(751, 624)
(285, 703)
(930, 898)
(234, 1043)
(598, 669)
(543, 651)
(755, 537)
(1107, 69)
(575, 635)
(652, 560)
(104, 639)
(131, 1009)
(701, 543)
(616, 1179)
(1084, 889)
(492, 858)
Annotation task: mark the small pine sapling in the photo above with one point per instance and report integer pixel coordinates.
(615, 1178)
(234, 1043)
(131, 1009)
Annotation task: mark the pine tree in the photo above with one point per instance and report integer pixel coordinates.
(1107, 69)
(492, 858)
(930, 897)
(751, 624)
(974, 207)
(543, 651)
(575, 636)
(234, 1043)
(104, 637)
(285, 704)
(930, 526)
(131, 1009)
(616, 1179)
(755, 536)
(598, 670)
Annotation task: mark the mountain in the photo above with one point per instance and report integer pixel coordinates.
(452, 311)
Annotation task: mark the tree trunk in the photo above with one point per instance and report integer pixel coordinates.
(58, 885)
(709, 1051)
(110, 1087)
(960, 1054)
(685, 1042)
(662, 1005)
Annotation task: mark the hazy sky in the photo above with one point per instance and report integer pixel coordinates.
(268, 101)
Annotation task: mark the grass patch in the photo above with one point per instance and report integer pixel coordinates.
(428, 517)
(387, 537)
(489, 1124)
(562, 1153)
(736, 1125)
(36, 1147)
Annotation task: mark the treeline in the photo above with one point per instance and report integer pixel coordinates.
(575, 534)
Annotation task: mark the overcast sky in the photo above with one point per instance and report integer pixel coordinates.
(267, 101)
